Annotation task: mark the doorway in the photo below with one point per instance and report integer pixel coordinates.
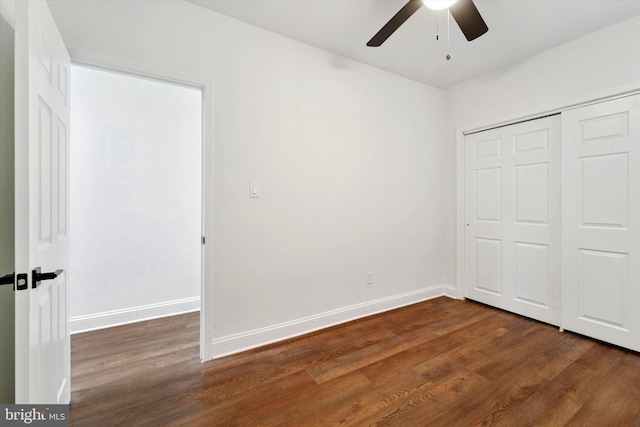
(136, 198)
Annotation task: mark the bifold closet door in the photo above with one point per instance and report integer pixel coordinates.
(601, 221)
(512, 218)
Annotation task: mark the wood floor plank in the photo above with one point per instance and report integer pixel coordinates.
(548, 406)
(474, 353)
(434, 347)
(440, 356)
(438, 363)
(618, 394)
(321, 401)
(352, 361)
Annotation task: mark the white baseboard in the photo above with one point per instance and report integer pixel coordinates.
(108, 319)
(450, 291)
(237, 343)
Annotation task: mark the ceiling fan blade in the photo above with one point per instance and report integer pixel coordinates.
(395, 22)
(468, 18)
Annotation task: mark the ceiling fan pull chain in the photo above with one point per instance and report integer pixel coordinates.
(437, 26)
(448, 36)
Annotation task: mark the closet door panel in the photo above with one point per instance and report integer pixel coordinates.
(601, 221)
(512, 218)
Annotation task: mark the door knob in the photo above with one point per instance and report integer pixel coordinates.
(37, 276)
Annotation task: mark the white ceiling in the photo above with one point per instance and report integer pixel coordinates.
(517, 29)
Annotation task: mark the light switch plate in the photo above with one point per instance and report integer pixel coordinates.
(254, 190)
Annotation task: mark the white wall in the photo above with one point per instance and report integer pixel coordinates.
(7, 205)
(602, 60)
(135, 198)
(348, 158)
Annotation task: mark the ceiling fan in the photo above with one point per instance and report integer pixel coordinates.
(464, 12)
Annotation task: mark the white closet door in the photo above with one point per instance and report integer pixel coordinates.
(601, 221)
(512, 218)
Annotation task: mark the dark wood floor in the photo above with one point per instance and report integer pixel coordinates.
(438, 363)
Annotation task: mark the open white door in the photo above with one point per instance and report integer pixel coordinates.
(42, 351)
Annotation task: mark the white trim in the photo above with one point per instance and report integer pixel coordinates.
(125, 66)
(101, 61)
(8, 12)
(450, 291)
(108, 319)
(237, 343)
(555, 108)
(208, 213)
(460, 219)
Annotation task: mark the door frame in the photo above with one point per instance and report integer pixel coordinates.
(536, 113)
(89, 59)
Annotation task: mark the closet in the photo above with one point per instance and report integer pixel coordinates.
(552, 219)
(512, 218)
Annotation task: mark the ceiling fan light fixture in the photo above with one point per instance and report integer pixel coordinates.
(464, 13)
(438, 4)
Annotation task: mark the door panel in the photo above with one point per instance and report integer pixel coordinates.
(532, 193)
(603, 190)
(601, 217)
(488, 264)
(532, 273)
(488, 184)
(43, 152)
(512, 218)
(602, 303)
(42, 123)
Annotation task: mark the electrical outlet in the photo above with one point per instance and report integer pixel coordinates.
(369, 277)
